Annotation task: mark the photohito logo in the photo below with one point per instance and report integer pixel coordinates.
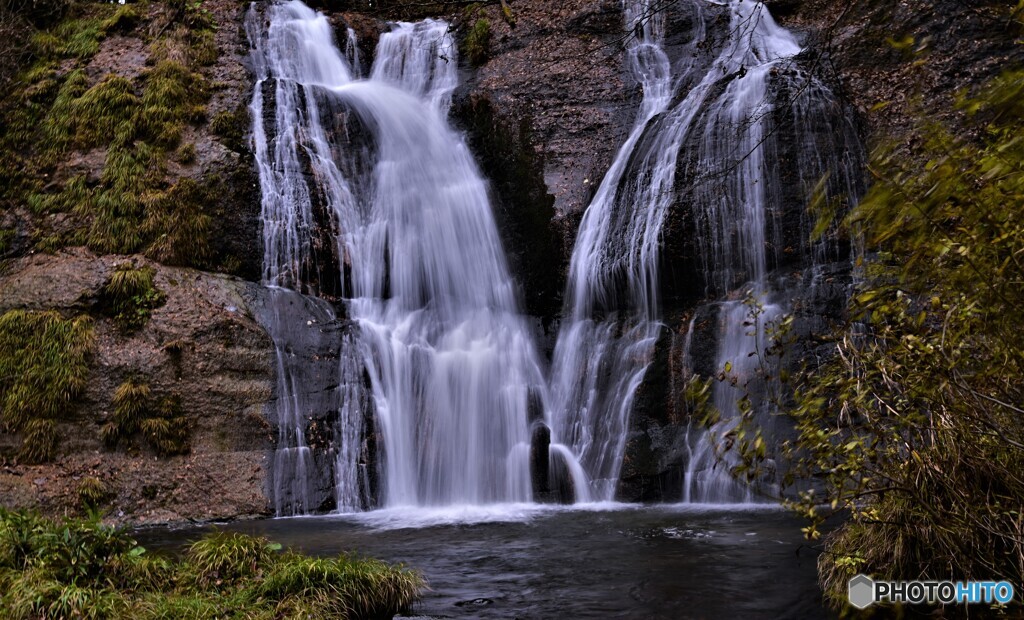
(864, 591)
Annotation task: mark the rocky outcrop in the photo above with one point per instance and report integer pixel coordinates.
(201, 346)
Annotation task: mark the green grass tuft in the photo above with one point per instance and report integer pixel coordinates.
(43, 368)
(131, 406)
(179, 225)
(226, 558)
(130, 296)
(87, 117)
(7, 237)
(79, 568)
(345, 587)
(92, 492)
(203, 50)
(161, 421)
(186, 153)
(173, 96)
(39, 441)
(123, 20)
(232, 127)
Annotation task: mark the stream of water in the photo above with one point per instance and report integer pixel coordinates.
(591, 561)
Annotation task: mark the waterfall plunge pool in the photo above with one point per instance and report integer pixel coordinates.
(533, 561)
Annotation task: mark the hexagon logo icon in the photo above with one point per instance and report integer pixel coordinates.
(861, 591)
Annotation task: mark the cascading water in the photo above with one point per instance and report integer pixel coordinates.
(737, 193)
(605, 344)
(372, 201)
(451, 363)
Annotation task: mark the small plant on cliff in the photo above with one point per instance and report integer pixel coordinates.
(177, 221)
(43, 369)
(92, 492)
(173, 95)
(476, 47)
(232, 127)
(167, 428)
(88, 117)
(131, 295)
(83, 569)
(161, 421)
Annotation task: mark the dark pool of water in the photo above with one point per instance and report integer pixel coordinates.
(598, 562)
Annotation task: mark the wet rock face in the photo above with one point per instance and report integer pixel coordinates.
(544, 115)
(523, 206)
(560, 71)
(310, 382)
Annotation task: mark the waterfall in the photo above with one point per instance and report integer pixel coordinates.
(412, 252)
(737, 195)
(611, 321)
(381, 249)
(712, 122)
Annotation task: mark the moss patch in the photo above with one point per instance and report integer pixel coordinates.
(476, 47)
(55, 109)
(43, 369)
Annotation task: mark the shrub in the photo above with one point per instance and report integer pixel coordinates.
(915, 427)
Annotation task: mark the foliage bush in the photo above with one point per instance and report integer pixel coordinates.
(43, 368)
(83, 569)
(916, 427)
